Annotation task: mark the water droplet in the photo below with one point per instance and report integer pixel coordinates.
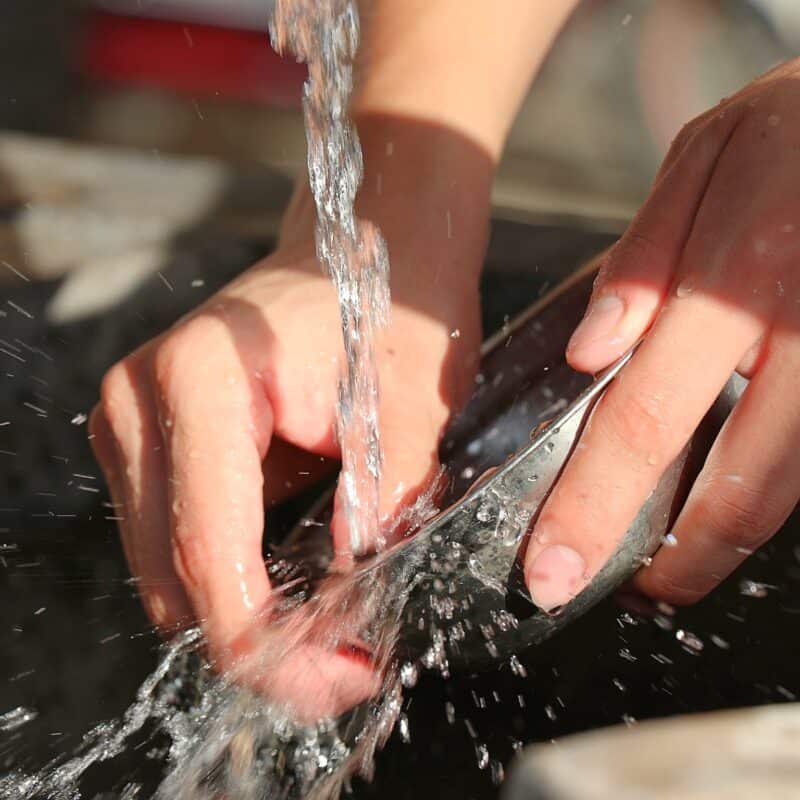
(473, 734)
(517, 667)
(670, 540)
(482, 752)
(409, 674)
(455, 333)
(484, 512)
(684, 289)
(773, 120)
(691, 643)
(403, 728)
(474, 448)
(450, 712)
(498, 773)
(753, 589)
(16, 718)
(663, 622)
(719, 642)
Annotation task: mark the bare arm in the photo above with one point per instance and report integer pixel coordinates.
(455, 63)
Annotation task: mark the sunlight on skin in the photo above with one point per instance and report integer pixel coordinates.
(707, 268)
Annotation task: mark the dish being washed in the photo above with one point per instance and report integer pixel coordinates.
(464, 602)
(450, 597)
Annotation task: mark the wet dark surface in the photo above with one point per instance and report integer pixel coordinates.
(76, 644)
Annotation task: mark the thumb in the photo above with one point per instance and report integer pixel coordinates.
(422, 381)
(370, 514)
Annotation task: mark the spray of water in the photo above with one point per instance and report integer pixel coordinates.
(229, 739)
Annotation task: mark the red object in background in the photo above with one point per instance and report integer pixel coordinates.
(197, 59)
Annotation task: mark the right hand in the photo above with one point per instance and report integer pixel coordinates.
(233, 409)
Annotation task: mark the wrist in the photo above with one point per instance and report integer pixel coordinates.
(428, 191)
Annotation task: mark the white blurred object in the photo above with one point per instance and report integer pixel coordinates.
(746, 754)
(248, 14)
(103, 283)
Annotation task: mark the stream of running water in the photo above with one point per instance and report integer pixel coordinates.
(324, 34)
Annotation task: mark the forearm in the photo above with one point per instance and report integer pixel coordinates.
(454, 63)
(438, 85)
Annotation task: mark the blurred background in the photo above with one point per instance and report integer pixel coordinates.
(197, 78)
(147, 149)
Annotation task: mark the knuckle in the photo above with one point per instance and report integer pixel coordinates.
(174, 354)
(115, 397)
(189, 561)
(168, 359)
(682, 138)
(662, 585)
(711, 131)
(636, 253)
(704, 136)
(737, 515)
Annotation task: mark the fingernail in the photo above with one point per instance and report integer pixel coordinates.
(598, 328)
(557, 574)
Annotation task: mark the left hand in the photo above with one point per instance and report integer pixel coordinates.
(709, 268)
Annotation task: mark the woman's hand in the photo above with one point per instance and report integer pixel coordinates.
(233, 409)
(709, 269)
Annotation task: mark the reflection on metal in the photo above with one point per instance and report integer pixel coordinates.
(466, 604)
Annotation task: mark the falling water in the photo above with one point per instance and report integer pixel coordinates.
(324, 34)
(228, 738)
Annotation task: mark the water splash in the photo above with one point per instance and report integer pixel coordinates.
(16, 718)
(324, 34)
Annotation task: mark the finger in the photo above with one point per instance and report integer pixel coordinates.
(412, 418)
(410, 446)
(638, 428)
(638, 271)
(746, 490)
(313, 681)
(128, 445)
(216, 423)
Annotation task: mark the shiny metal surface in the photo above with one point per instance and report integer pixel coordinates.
(466, 604)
